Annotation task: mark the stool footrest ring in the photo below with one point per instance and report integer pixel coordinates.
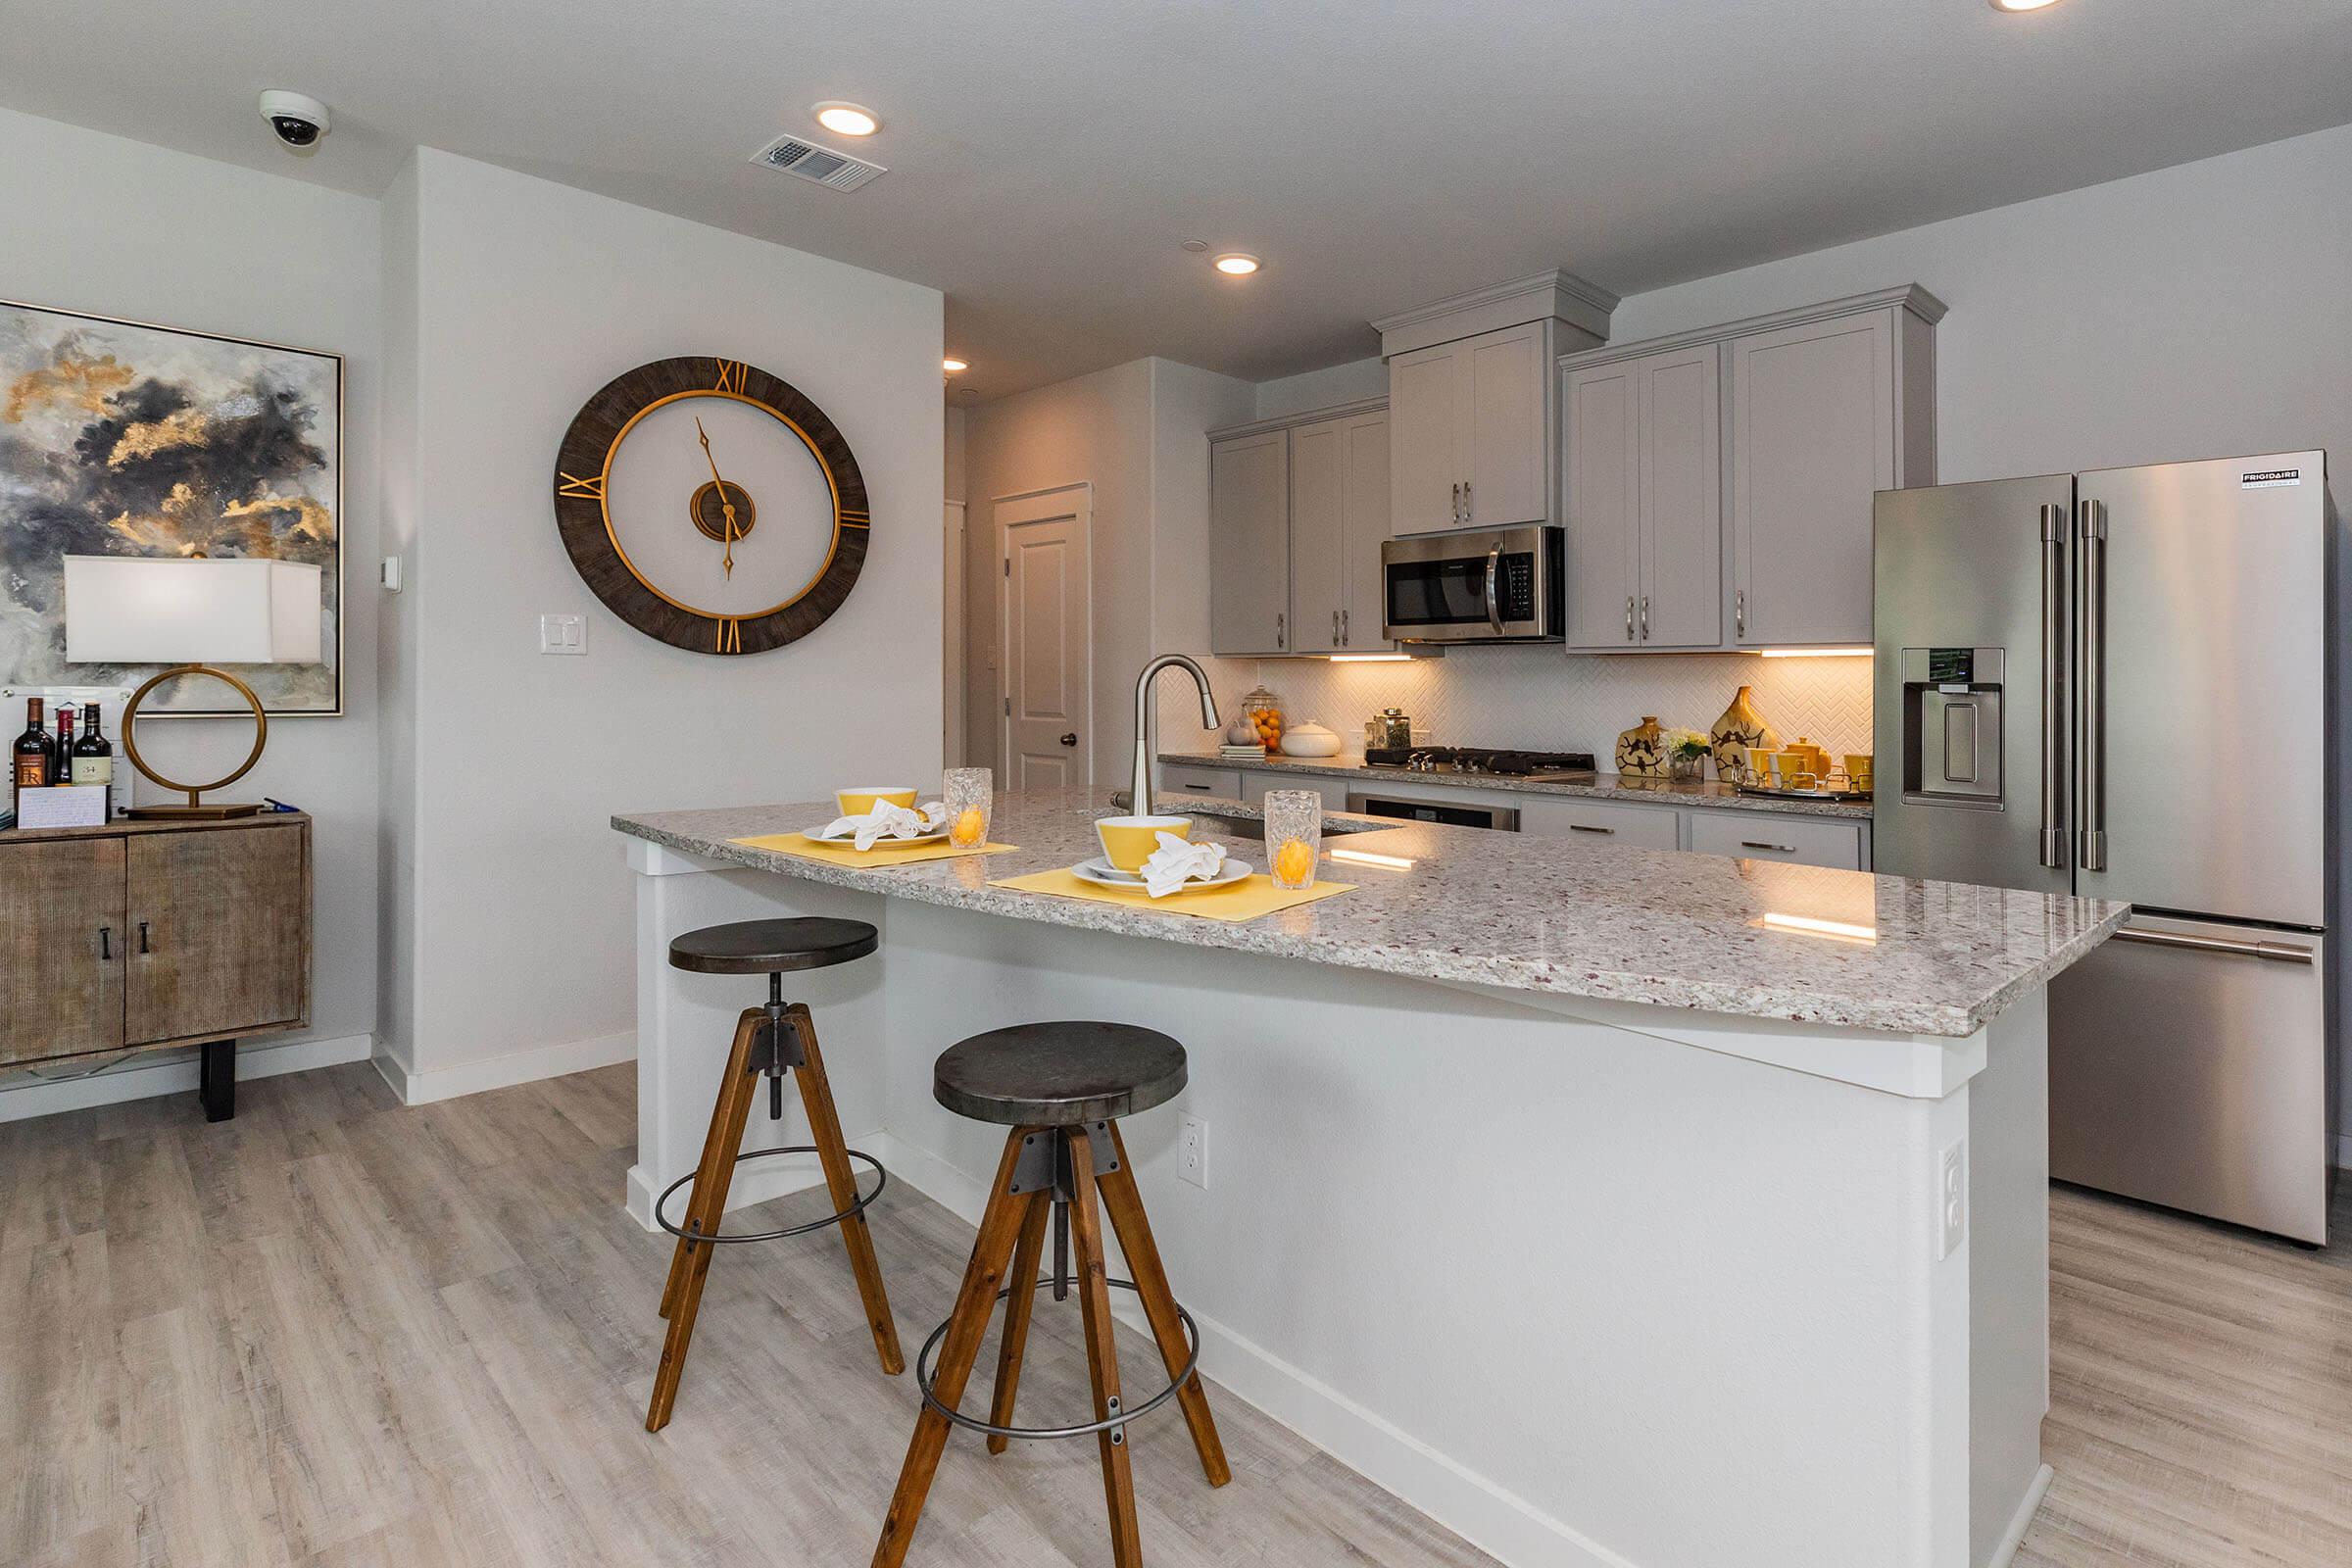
(924, 1375)
(881, 1180)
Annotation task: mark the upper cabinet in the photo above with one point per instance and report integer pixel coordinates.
(1471, 402)
(1298, 509)
(1718, 484)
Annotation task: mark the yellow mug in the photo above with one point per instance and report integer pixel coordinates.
(1857, 769)
(860, 800)
(1794, 769)
(1129, 841)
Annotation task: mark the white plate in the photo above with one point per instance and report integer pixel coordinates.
(1102, 874)
(848, 841)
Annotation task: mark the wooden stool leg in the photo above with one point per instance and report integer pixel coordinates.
(735, 1105)
(747, 1033)
(976, 1304)
(1015, 1340)
(841, 1181)
(1102, 1352)
(1125, 1204)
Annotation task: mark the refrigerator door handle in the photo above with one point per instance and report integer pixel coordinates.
(2275, 952)
(2090, 683)
(2053, 685)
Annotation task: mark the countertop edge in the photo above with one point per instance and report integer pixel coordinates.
(1605, 787)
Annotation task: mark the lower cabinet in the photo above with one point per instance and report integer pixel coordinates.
(1223, 782)
(1647, 827)
(1767, 836)
(153, 934)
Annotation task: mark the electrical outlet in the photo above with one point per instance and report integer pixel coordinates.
(564, 635)
(1952, 1201)
(1192, 1151)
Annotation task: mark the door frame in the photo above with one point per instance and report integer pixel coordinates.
(1076, 501)
(954, 740)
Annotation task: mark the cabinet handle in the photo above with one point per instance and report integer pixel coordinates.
(1457, 500)
(1334, 628)
(1578, 827)
(1759, 844)
(1469, 507)
(1646, 618)
(1343, 628)
(106, 941)
(1629, 617)
(144, 947)
(1739, 614)
(1281, 629)
(1198, 789)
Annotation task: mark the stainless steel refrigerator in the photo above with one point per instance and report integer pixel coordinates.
(2121, 684)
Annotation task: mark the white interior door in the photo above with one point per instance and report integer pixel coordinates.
(1049, 639)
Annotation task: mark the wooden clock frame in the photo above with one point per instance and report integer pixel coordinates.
(584, 464)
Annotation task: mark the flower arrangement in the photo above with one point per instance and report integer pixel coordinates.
(1686, 753)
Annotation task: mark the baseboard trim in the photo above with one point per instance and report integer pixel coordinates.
(170, 1073)
(1489, 1516)
(422, 1088)
(757, 1183)
(2015, 1536)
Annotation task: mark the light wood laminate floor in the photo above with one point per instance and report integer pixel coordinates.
(338, 1332)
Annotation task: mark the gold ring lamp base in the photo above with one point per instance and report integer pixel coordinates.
(196, 809)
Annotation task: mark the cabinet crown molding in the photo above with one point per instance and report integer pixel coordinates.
(1909, 296)
(1581, 302)
(1292, 421)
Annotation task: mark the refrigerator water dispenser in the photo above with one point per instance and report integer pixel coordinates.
(1952, 726)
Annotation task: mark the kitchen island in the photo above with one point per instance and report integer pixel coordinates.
(1611, 1205)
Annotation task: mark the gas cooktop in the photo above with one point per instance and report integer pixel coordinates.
(1496, 761)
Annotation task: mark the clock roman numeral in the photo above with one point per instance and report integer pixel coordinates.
(730, 375)
(571, 484)
(730, 636)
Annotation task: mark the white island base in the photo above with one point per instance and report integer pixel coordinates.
(1589, 1282)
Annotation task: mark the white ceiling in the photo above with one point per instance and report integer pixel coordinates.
(1046, 156)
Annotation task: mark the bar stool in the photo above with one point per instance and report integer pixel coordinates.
(1061, 1088)
(766, 1046)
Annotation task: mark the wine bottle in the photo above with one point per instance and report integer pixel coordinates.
(61, 760)
(33, 753)
(93, 754)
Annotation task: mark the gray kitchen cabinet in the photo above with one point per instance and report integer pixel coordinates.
(1643, 502)
(1179, 778)
(1339, 515)
(1763, 836)
(1647, 827)
(1469, 441)
(1250, 543)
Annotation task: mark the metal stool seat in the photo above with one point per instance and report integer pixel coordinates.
(770, 1041)
(1060, 1087)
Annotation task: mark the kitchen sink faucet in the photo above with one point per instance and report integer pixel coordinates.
(1147, 722)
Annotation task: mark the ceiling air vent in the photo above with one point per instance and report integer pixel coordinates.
(820, 164)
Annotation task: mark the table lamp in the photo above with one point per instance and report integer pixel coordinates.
(191, 613)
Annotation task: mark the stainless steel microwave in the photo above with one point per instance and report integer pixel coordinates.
(1498, 585)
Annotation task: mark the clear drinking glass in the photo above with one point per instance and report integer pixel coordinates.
(1294, 837)
(970, 797)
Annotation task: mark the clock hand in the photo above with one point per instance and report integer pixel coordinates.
(725, 506)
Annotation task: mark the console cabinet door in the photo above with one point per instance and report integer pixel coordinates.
(1249, 544)
(61, 948)
(1813, 438)
(1605, 491)
(220, 932)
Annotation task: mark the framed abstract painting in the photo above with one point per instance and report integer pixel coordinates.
(125, 440)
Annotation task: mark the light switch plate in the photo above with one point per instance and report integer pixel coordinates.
(388, 575)
(1192, 1151)
(564, 635)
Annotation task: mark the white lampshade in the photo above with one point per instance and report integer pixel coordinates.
(165, 610)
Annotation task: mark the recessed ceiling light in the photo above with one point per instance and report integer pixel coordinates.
(1196, 246)
(846, 120)
(952, 366)
(2022, 5)
(1237, 264)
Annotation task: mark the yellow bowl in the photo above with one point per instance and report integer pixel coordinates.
(1129, 841)
(859, 801)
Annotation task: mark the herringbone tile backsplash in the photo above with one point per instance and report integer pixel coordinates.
(1544, 698)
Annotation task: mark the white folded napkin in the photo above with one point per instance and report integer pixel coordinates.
(888, 821)
(1179, 860)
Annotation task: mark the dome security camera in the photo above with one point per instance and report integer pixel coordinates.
(295, 119)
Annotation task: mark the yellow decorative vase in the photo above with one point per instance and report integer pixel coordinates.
(1741, 730)
(1642, 750)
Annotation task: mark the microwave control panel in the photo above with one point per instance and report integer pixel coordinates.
(1515, 586)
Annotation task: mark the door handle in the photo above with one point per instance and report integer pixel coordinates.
(2275, 952)
(2091, 678)
(1493, 601)
(1739, 614)
(144, 947)
(1759, 844)
(1069, 738)
(1646, 618)
(1578, 827)
(2053, 685)
(1457, 500)
(106, 939)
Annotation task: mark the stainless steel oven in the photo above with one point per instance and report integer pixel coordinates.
(1473, 586)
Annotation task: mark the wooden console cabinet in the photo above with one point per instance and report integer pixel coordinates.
(142, 935)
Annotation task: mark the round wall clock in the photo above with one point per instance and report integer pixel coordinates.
(710, 505)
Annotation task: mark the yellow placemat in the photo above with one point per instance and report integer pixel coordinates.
(1246, 900)
(881, 854)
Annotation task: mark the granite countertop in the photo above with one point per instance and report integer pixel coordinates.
(1530, 913)
(1602, 786)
